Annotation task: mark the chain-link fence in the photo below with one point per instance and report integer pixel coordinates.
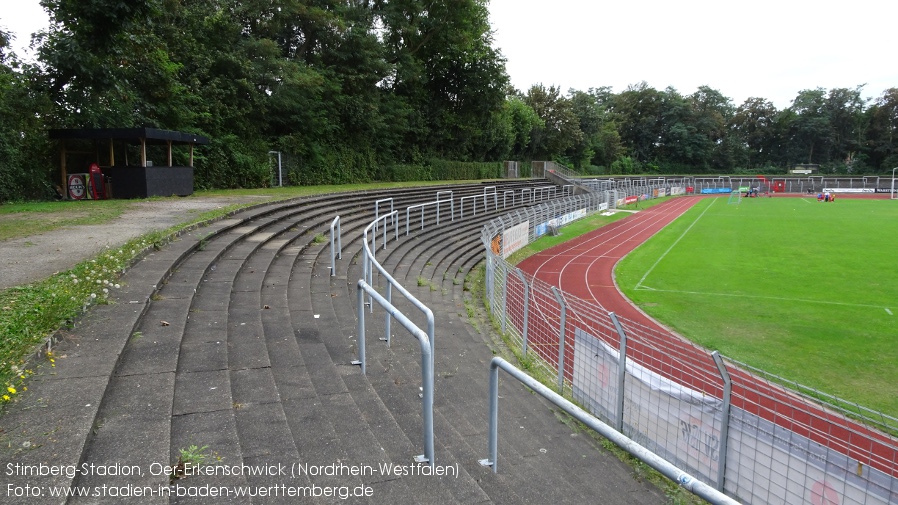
(734, 427)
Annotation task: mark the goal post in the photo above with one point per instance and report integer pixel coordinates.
(736, 195)
(892, 194)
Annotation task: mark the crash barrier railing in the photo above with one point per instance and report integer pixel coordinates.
(505, 195)
(544, 192)
(667, 469)
(436, 203)
(461, 204)
(426, 360)
(488, 192)
(377, 206)
(451, 203)
(339, 248)
(425, 339)
(733, 427)
(369, 265)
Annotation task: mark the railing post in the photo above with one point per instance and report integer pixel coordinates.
(504, 296)
(493, 434)
(621, 372)
(490, 280)
(561, 303)
(725, 424)
(389, 298)
(360, 307)
(526, 309)
(335, 222)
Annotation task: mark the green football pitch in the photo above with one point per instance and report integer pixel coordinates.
(798, 288)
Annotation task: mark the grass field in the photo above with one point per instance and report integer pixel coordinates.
(804, 290)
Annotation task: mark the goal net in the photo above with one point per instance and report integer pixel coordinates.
(736, 195)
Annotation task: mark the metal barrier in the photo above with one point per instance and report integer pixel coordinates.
(451, 204)
(426, 360)
(494, 194)
(335, 222)
(369, 264)
(461, 204)
(435, 203)
(667, 469)
(377, 206)
(504, 195)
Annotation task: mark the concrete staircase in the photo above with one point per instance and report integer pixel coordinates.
(236, 339)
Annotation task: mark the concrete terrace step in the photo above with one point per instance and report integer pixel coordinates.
(252, 360)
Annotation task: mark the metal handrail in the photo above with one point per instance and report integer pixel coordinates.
(335, 222)
(505, 194)
(369, 263)
(451, 204)
(667, 469)
(426, 360)
(461, 204)
(422, 205)
(495, 195)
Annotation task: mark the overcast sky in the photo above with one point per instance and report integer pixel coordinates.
(766, 48)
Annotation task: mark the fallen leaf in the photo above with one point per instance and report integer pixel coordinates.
(165, 323)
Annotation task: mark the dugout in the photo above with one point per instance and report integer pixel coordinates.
(123, 156)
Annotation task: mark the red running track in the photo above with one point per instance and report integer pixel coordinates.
(583, 267)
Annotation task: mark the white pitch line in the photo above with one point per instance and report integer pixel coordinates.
(778, 298)
(889, 312)
(639, 284)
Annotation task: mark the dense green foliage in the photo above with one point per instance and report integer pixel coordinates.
(378, 90)
(801, 289)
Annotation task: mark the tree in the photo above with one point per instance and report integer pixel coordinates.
(25, 158)
(639, 108)
(810, 128)
(752, 125)
(845, 109)
(712, 112)
(560, 127)
(523, 121)
(882, 136)
(601, 143)
(445, 68)
(107, 66)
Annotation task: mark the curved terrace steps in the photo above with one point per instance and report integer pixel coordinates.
(272, 385)
(140, 367)
(151, 359)
(468, 418)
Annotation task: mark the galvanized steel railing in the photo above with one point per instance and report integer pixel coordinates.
(667, 469)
